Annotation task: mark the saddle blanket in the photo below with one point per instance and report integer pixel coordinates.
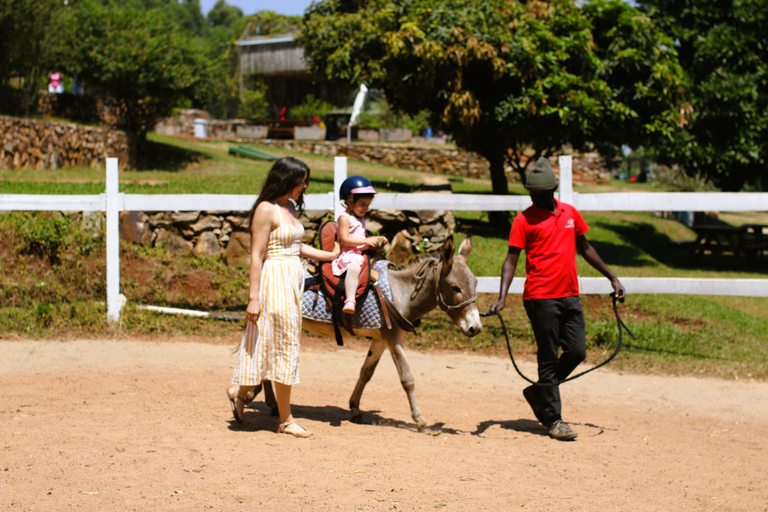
(367, 315)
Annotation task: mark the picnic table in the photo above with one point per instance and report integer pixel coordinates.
(747, 241)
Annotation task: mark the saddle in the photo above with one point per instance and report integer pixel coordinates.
(333, 287)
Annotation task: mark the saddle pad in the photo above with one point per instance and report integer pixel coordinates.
(367, 315)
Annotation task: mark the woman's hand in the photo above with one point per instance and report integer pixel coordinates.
(253, 312)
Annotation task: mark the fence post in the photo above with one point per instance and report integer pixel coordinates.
(339, 175)
(113, 241)
(566, 179)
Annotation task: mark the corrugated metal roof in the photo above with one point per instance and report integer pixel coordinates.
(273, 40)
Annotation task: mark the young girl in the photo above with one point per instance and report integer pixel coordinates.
(357, 194)
(270, 346)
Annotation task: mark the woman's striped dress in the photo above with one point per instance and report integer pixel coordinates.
(270, 349)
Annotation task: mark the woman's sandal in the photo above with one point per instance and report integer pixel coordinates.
(233, 401)
(294, 429)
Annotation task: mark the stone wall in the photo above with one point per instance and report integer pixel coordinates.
(33, 144)
(586, 168)
(226, 234)
(440, 160)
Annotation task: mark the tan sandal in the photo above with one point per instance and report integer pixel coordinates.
(233, 397)
(293, 429)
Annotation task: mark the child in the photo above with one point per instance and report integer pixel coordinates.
(357, 194)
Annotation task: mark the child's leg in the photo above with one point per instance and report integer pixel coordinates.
(350, 287)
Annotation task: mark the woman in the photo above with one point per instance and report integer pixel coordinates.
(270, 346)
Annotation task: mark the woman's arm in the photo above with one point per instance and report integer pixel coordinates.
(311, 253)
(263, 219)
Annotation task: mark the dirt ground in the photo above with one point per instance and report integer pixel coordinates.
(146, 426)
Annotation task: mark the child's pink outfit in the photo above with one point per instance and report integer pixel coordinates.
(351, 255)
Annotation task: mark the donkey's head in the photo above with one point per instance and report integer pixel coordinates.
(456, 291)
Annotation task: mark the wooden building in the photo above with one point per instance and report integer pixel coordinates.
(279, 62)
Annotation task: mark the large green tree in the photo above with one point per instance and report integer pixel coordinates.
(138, 59)
(510, 80)
(24, 32)
(722, 47)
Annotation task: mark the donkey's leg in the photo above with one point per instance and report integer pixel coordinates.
(409, 385)
(366, 372)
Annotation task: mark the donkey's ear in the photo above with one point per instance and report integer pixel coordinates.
(466, 247)
(447, 254)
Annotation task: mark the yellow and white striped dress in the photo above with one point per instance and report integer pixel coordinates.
(270, 349)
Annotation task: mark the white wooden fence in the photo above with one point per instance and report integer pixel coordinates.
(113, 202)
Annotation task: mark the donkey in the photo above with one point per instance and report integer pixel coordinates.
(431, 280)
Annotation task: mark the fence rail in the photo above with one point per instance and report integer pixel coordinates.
(113, 202)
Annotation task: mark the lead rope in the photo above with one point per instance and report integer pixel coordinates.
(619, 323)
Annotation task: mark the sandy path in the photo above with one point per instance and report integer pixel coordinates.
(112, 425)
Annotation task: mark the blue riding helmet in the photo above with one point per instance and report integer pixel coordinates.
(355, 185)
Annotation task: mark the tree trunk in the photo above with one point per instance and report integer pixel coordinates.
(500, 187)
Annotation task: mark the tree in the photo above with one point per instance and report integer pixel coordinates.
(509, 80)
(223, 15)
(140, 61)
(723, 51)
(225, 24)
(24, 29)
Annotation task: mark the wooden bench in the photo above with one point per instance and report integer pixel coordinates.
(687, 245)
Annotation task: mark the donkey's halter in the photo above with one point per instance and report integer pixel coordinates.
(432, 268)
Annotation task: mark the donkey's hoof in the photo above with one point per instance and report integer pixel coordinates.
(430, 431)
(357, 418)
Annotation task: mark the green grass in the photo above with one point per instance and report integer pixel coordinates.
(52, 281)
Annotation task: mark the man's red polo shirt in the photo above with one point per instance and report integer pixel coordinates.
(549, 242)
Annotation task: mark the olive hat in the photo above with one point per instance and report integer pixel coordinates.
(541, 176)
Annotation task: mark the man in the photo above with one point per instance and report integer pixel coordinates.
(551, 232)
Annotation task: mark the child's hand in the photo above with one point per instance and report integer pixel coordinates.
(375, 242)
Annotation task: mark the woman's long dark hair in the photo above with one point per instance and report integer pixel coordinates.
(285, 175)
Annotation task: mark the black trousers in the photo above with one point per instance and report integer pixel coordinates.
(558, 324)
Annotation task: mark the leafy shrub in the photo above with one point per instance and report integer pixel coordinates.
(255, 105)
(311, 107)
(381, 115)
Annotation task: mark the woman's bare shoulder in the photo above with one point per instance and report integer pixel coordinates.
(265, 213)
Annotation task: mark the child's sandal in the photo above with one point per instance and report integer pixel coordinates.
(349, 306)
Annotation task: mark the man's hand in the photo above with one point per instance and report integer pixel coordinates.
(618, 289)
(496, 306)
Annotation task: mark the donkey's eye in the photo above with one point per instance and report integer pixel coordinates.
(455, 288)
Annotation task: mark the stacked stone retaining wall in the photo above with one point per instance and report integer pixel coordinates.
(226, 234)
(33, 144)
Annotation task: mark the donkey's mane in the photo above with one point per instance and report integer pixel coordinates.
(434, 255)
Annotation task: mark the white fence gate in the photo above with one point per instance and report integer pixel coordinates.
(113, 202)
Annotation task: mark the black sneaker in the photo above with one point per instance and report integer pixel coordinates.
(561, 431)
(530, 393)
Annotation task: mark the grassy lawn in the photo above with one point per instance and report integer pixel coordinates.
(52, 277)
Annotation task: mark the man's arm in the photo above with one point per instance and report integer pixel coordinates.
(507, 273)
(590, 255)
